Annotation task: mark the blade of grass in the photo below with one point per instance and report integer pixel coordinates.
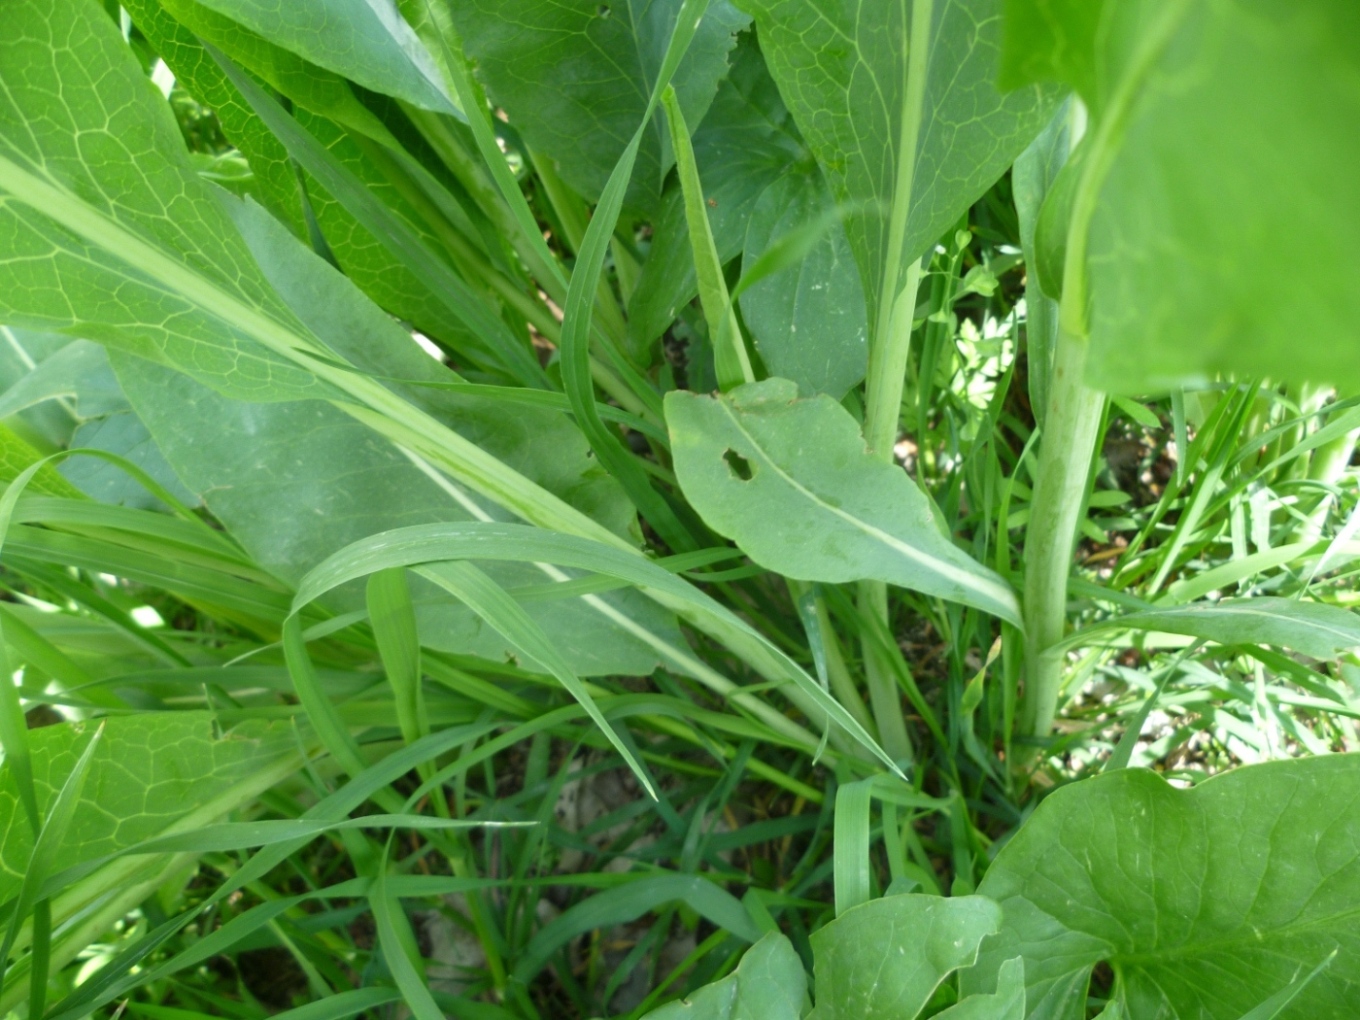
(731, 360)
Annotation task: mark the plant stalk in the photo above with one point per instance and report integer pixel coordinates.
(1072, 422)
(883, 409)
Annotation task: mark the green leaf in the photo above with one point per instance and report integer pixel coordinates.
(1214, 219)
(768, 984)
(312, 87)
(148, 772)
(808, 321)
(16, 455)
(731, 361)
(1204, 902)
(790, 481)
(629, 902)
(275, 181)
(884, 960)
(517, 543)
(393, 618)
(365, 40)
(406, 243)
(492, 603)
(574, 76)
(905, 171)
(1317, 630)
(358, 252)
(1006, 1003)
(94, 240)
(254, 463)
(746, 141)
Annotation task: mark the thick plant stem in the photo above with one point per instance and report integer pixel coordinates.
(1072, 424)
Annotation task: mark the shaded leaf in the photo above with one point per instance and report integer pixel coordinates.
(366, 40)
(808, 321)
(574, 77)
(843, 69)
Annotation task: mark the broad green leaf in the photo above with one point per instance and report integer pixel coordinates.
(790, 481)
(365, 40)
(255, 463)
(368, 263)
(808, 321)
(191, 296)
(1213, 222)
(274, 180)
(1204, 902)
(86, 212)
(883, 960)
(50, 837)
(906, 161)
(1317, 630)
(1006, 1003)
(768, 984)
(574, 77)
(148, 772)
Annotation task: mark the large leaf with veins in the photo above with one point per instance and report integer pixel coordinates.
(843, 67)
(1204, 902)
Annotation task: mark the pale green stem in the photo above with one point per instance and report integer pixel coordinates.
(888, 366)
(1071, 424)
(883, 409)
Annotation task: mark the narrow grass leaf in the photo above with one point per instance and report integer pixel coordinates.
(853, 801)
(487, 540)
(576, 323)
(628, 903)
(489, 601)
(733, 363)
(394, 628)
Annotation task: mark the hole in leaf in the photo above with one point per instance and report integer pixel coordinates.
(738, 465)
